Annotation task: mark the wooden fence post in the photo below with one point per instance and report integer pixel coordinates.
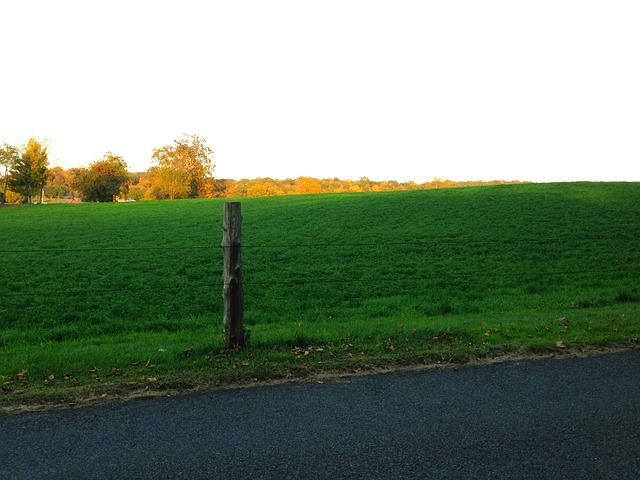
(233, 330)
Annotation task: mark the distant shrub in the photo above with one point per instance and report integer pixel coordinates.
(13, 197)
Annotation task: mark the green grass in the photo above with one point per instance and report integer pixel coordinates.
(104, 299)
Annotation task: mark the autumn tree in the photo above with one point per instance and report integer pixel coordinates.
(72, 176)
(171, 181)
(214, 188)
(9, 156)
(257, 190)
(308, 185)
(57, 185)
(104, 179)
(184, 168)
(30, 172)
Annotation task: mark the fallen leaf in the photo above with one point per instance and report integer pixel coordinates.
(560, 344)
(21, 376)
(287, 375)
(149, 364)
(67, 377)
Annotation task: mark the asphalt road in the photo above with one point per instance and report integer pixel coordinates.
(536, 419)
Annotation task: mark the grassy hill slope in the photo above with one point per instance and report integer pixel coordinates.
(373, 279)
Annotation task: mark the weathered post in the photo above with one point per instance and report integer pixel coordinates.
(233, 330)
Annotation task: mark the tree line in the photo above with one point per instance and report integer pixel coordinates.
(183, 169)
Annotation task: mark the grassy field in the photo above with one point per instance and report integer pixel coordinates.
(101, 300)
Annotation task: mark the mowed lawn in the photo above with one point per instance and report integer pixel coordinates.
(102, 299)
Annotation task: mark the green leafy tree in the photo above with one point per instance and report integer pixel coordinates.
(9, 156)
(30, 172)
(104, 179)
(183, 169)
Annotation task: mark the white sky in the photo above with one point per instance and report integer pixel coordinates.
(545, 90)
